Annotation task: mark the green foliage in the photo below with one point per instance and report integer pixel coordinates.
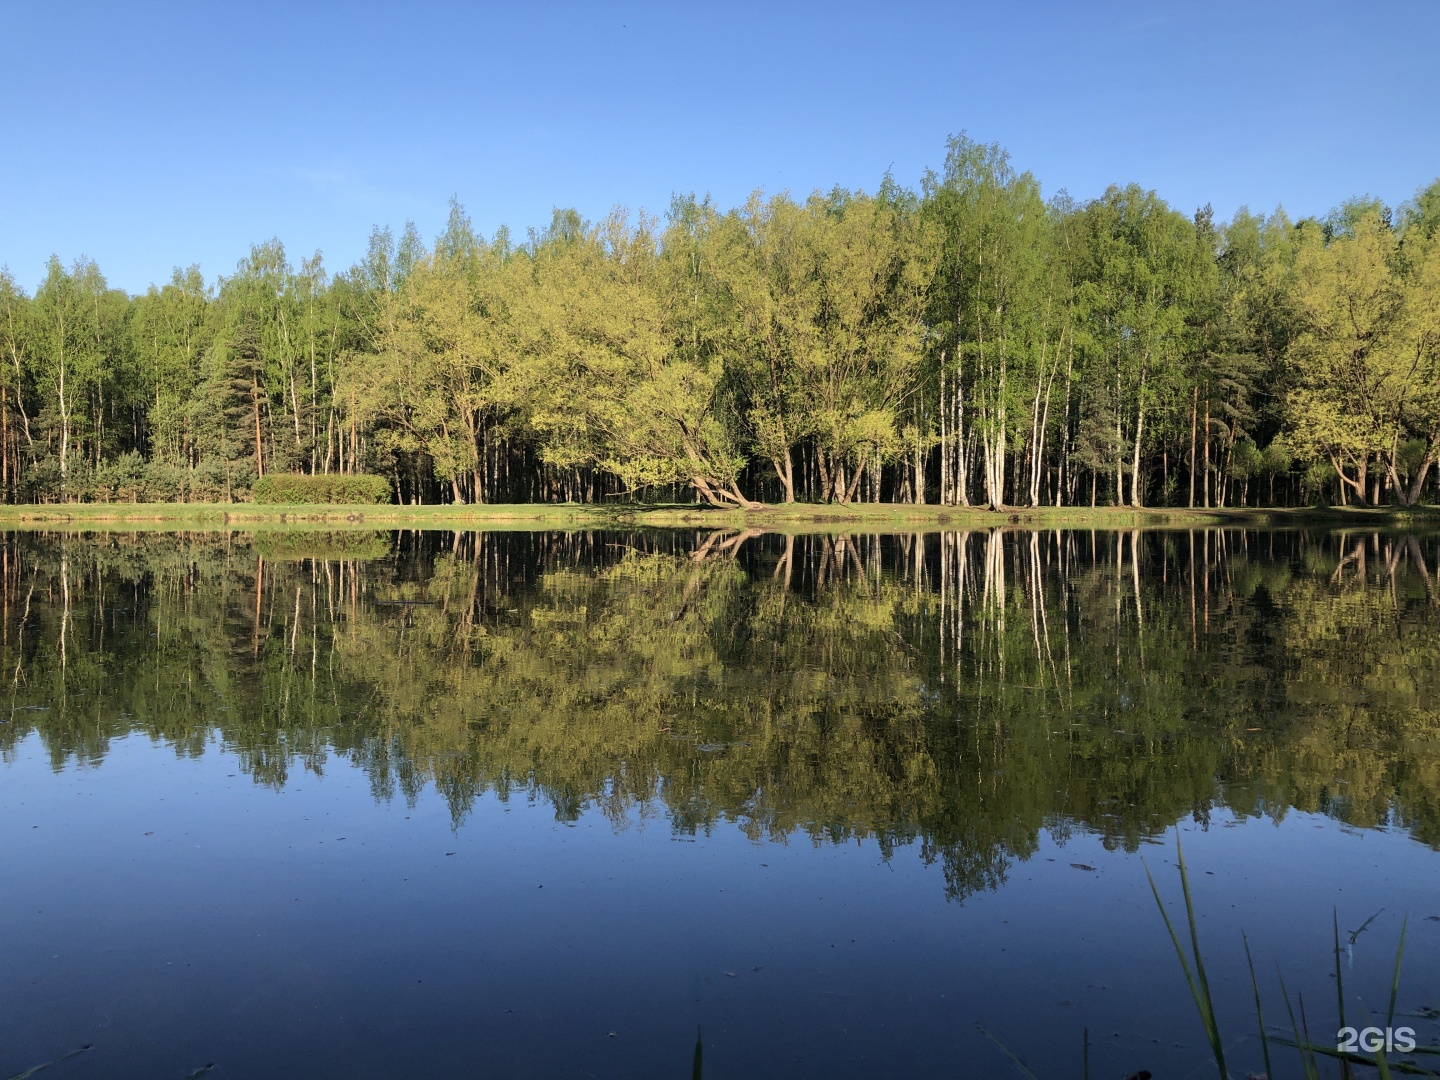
(1245, 460)
(1368, 355)
(352, 489)
(968, 339)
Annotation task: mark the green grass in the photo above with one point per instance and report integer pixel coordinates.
(792, 517)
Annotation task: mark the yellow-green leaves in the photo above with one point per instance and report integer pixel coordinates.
(1368, 358)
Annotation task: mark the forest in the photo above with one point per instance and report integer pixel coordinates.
(967, 344)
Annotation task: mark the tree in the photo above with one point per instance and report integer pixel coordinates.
(70, 336)
(16, 362)
(764, 267)
(1368, 358)
(443, 350)
(606, 378)
(171, 330)
(867, 346)
(1145, 267)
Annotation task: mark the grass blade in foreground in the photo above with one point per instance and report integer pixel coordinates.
(1199, 984)
(1395, 979)
(1259, 1012)
(1006, 1051)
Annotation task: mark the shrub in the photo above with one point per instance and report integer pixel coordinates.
(1318, 476)
(296, 488)
(164, 482)
(121, 479)
(41, 480)
(214, 480)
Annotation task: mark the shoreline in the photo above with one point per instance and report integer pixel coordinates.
(792, 517)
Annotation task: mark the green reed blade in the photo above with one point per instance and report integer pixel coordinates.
(1307, 1058)
(1199, 984)
(1259, 1011)
(1395, 979)
(1349, 1057)
(1006, 1051)
(1345, 1069)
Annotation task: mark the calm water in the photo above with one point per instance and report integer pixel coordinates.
(372, 805)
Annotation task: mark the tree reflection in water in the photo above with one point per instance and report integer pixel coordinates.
(959, 691)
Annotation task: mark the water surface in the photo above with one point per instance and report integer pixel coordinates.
(374, 805)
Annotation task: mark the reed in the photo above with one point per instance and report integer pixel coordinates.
(1311, 1052)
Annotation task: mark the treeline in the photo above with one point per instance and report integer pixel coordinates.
(969, 344)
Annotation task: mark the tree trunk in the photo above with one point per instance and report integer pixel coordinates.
(786, 472)
(1194, 417)
(919, 481)
(1357, 485)
(1411, 496)
(1067, 470)
(255, 398)
(945, 499)
(1137, 495)
(64, 425)
(854, 483)
(4, 438)
(1205, 474)
(995, 471)
(295, 408)
(1119, 445)
(960, 469)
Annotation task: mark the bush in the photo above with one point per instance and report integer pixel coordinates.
(292, 489)
(1319, 475)
(121, 479)
(42, 480)
(214, 480)
(164, 482)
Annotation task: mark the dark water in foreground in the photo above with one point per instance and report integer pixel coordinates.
(543, 805)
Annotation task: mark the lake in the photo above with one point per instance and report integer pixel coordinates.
(366, 804)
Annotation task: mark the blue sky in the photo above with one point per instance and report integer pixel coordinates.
(148, 136)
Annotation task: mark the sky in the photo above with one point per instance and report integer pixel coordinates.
(148, 136)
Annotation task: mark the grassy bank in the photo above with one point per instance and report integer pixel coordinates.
(794, 517)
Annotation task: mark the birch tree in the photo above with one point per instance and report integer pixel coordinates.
(1368, 357)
